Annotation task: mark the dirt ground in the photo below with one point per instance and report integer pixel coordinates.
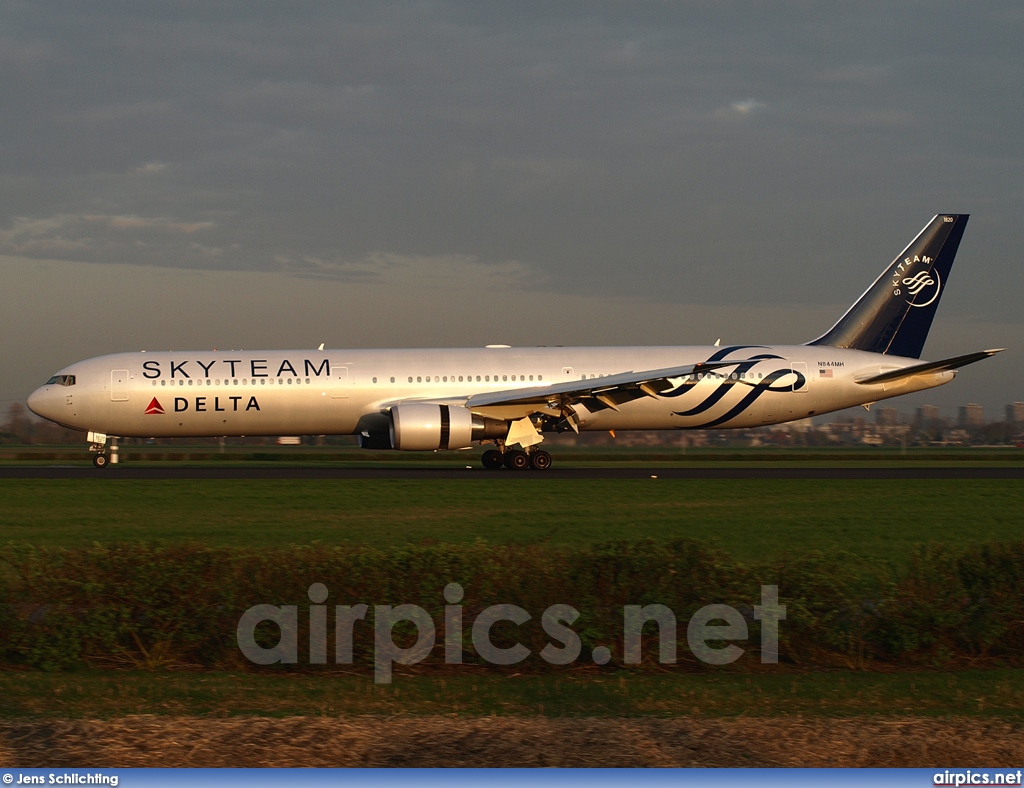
(509, 741)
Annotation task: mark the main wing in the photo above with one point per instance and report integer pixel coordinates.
(556, 399)
(609, 391)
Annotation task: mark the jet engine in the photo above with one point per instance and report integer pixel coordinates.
(426, 427)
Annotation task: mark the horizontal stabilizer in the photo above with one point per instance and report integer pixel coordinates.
(932, 366)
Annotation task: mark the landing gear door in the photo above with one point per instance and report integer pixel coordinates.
(339, 381)
(119, 385)
(800, 379)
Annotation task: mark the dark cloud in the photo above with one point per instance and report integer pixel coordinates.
(715, 153)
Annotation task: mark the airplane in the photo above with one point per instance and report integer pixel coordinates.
(446, 399)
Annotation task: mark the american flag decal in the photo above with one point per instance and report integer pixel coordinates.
(824, 373)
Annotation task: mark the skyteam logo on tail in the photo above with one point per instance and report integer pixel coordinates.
(922, 281)
(154, 408)
(922, 284)
(918, 282)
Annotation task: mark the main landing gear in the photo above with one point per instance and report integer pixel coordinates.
(516, 459)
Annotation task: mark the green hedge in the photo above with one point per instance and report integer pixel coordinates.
(178, 606)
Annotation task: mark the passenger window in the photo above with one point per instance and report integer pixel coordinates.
(392, 380)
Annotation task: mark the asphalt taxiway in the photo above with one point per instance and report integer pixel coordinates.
(327, 472)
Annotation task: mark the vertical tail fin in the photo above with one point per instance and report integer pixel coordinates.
(895, 313)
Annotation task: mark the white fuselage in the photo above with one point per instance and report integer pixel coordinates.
(313, 392)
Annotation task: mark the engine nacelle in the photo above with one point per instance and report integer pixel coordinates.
(424, 427)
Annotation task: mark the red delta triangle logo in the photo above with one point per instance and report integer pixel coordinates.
(154, 407)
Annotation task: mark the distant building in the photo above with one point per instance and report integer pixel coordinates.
(886, 417)
(971, 415)
(926, 414)
(1015, 413)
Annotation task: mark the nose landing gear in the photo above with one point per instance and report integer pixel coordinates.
(516, 459)
(98, 445)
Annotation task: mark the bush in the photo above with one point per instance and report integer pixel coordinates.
(156, 606)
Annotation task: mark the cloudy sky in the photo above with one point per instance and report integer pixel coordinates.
(432, 173)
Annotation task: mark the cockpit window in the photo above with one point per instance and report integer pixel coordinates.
(61, 380)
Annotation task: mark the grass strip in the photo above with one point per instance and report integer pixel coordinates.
(752, 519)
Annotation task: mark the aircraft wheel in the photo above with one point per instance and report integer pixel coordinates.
(517, 460)
(492, 459)
(540, 460)
(100, 460)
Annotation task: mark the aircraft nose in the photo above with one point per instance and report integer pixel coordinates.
(37, 401)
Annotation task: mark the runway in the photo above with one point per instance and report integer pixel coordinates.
(328, 472)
